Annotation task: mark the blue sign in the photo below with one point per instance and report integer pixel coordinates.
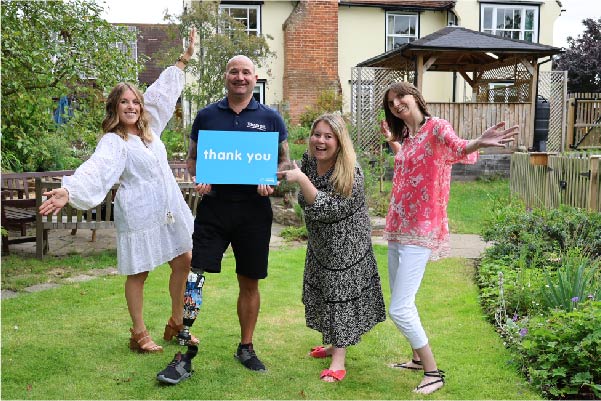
(237, 157)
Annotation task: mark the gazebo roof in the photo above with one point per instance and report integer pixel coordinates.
(457, 48)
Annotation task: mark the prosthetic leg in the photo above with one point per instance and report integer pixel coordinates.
(192, 303)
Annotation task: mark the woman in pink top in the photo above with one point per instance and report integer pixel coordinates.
(417, 230)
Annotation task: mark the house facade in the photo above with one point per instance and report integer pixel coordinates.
(319, 42)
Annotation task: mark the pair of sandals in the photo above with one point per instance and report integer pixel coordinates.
(418, 366)
(142, 342)
(320, 352)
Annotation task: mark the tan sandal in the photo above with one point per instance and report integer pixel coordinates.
(142, 343)
(177, 331)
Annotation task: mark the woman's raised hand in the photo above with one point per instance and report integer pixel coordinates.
(191, 43)
(498, 136)
(385, 130)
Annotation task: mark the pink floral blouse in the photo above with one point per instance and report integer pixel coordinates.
(420, 187)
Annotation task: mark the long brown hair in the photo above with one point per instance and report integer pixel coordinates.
(343, 176)
(396, 125)
(111, 121)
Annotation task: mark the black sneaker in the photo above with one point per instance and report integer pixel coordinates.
(247, 357)
(180, 368)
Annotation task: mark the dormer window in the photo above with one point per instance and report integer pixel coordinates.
(510, 21)
(401, 28)
(247, 15)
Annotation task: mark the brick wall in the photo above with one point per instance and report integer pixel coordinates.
(310, 54)
(152, 40)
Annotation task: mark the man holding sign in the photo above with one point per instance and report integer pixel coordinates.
(236, 168)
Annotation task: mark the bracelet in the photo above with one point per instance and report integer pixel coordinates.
(182, 59)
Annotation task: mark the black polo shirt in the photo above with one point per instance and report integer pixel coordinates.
(255, 117)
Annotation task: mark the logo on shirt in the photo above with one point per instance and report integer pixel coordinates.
(258, 127)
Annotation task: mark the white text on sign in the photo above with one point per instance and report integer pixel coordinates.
(210, 154)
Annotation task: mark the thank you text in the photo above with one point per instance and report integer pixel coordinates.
(236, 157)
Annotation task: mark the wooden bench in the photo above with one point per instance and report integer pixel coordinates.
(19, 205)
(95, 218)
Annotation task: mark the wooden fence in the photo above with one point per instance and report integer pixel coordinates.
(471, 119)
(549, 180)
(583, 129)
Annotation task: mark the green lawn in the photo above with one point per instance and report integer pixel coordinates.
(470, 202)
(71, 342)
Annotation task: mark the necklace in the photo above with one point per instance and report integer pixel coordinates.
(419, 127)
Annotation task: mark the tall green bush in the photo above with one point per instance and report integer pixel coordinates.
(52, 49)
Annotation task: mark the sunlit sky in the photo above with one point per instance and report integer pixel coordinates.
(151, 12)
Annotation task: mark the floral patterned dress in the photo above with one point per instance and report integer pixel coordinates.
(420, 187)
(341, 287)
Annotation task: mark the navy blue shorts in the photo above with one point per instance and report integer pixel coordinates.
(245, 224)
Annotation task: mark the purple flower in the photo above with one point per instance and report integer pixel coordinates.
(523, 332)
(591, 297)
(575, 299)
(515, 317)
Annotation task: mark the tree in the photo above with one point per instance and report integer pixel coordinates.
(52, 49)
(582, 59)
(220, 38)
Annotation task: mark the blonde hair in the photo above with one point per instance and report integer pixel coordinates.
(343, 177)
(111, 121)
(396, 125)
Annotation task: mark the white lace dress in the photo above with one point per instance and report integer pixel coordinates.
(154, 223)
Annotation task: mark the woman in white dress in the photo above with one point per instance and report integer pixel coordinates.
(154, 223)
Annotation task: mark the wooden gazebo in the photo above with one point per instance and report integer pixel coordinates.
(481, 59)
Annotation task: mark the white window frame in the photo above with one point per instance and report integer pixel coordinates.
(132, 44)
(259, 91)
(499, 85)
(390, 37)
(505, 8)
(245, 7)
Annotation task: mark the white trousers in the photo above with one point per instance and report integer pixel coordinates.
(406, 267)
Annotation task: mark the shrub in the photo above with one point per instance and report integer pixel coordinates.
(292, 233)
(328, 101)
(299, 134)
(509, 288)
(572, 283)
(374, 170)
(175, 141)
(515, 230)
(561, 353)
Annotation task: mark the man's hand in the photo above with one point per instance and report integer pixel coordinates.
(264, 190)
(201, 188)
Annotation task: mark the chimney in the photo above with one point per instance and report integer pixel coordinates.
(310, 54)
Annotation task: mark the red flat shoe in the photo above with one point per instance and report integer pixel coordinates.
(319, 352)
(337, 375)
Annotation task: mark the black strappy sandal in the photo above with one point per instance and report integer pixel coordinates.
(435, 373)
(404, 365)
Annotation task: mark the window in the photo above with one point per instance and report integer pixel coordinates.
(259, 91)
(247, 15)
(131, 46)
(400, 29)
(502, 92)
(452, 19)
(510, 21)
